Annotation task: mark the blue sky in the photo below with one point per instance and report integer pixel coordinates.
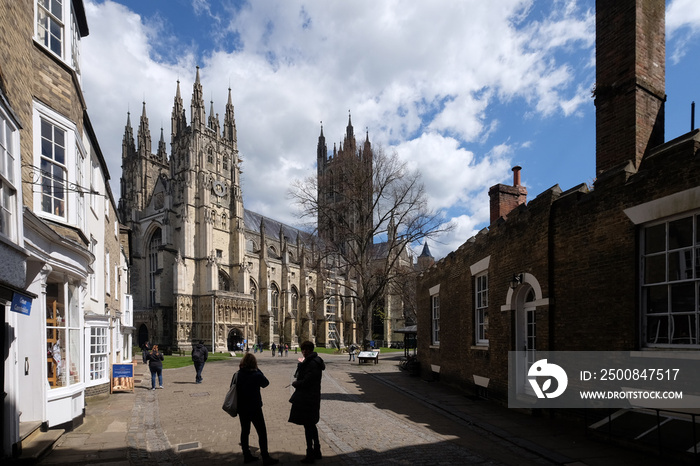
(462, 90)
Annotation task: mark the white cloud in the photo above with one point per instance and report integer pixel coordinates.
(421, 76)
(683, 25)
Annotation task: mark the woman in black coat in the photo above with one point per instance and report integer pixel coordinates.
(306, 400)
(250, 381)
(155, 365)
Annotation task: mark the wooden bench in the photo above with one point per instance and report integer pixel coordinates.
(368, 356)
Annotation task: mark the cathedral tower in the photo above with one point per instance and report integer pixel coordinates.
(190, 280)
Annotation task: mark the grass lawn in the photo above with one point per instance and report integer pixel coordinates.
(173, 362)
(344, 351)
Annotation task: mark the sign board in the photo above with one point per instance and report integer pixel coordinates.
(21, 303)
(122, 378)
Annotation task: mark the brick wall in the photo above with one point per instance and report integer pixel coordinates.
(630, 80)
(583, 251)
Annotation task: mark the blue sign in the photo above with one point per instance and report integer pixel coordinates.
(21, 303)
(122, 370)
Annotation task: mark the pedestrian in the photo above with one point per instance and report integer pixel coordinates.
(274, 347)
(280, 348)
(155, 365)
(144, 351)
(286, 350)
(351, 353)
(200, 354)
(306, 399)
(250, 381)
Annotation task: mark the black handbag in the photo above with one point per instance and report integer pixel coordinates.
(231, 400)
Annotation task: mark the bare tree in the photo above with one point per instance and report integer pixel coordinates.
(369, 212)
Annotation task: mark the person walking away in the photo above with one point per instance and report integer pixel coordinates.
(306, 399)
(200, 354)
(155, 365)
(274, 347)
(280, 348)
(144, 351)
(250, 381)
(351, 353)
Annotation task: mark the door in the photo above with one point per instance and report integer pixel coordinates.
(525, 336)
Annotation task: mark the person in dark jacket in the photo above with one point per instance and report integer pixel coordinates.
(306, 399)
(250, 381)
(155, 365)
(144, 351)
(200, 354)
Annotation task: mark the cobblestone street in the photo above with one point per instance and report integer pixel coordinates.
(370, 414)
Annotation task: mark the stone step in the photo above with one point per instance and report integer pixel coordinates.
(28, 428)
(38, 444)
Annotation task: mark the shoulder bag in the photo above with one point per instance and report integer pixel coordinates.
(231, 400)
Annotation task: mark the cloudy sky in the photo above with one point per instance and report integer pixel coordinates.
(461, 89)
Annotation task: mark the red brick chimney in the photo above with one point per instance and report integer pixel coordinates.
(505, 198)
(630, 80)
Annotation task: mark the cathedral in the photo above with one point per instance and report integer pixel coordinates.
(203, 267)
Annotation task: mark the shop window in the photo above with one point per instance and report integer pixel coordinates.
(62, 335)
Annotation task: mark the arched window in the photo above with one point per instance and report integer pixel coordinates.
(250, 245)
(295, 302)
(153, 266)
(275, 307)
(225, 162)
(224, 281)
(312, 311)
(271, 252)
(210, 155)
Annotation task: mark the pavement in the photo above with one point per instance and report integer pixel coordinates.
(370, 414)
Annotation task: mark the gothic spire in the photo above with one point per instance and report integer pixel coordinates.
(350, 132)
(128, 146)
(230, 121)
(321, 150)
(162, 148)
(144, 135)
(177, 120)
(213, 120)
(426, 251)
(197, 114)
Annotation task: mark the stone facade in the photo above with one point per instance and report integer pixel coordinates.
(195, 248)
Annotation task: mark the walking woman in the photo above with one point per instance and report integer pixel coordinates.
(306, 399)
(250, 381)
(155, 365)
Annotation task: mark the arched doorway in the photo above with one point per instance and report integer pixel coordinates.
(523, 299)
(143, 335)
(235, 340)
(525, 335)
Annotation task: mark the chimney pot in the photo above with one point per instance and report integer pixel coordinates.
(516, 175)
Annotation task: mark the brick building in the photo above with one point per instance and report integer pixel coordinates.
(60, 240)
(612, 267)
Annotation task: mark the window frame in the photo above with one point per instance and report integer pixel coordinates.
(46, 23)
(664, 291)
(435, 319)
(67, 331)
(98, 358)
(481, 304)
(10, 159)
(74, 153)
